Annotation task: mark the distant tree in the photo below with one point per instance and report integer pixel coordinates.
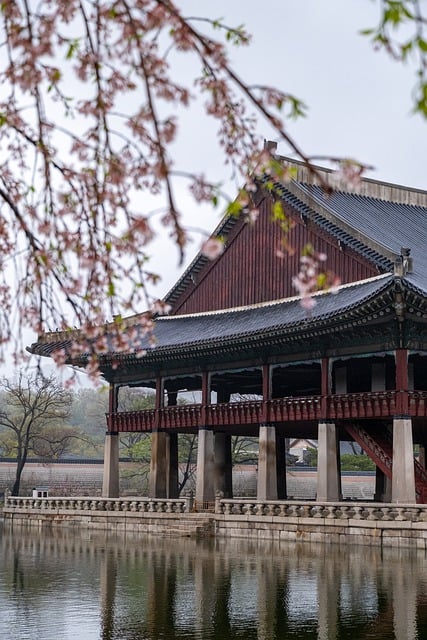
(136, 446)
(244, 450)
(29, 407)
(88, 409)
(358, 462)
(187, 448)
(57, 440)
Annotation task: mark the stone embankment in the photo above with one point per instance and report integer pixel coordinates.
(348, 522)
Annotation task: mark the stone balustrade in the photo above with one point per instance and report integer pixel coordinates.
(379, 512)
(95, 504)
(349, 522)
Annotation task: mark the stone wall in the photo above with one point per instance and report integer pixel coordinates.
(80, 479)
(388, 525)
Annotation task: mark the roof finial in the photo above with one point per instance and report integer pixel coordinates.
(270, 145)
(404, 263)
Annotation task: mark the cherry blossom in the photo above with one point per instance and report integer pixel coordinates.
(89, 113)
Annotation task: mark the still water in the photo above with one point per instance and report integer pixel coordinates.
(67, 585)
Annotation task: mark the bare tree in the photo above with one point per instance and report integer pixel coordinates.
(29, 407)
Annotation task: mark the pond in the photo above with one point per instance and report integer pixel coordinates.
(68, 584)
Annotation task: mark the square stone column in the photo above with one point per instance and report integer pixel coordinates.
(223, 464)
(157, 485)
(403, 479)
(205, 483)
(382, 487)
(110, 480)
(172, 465)
(267, 463)
(328, 470)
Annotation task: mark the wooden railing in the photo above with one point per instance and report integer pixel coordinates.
(354, 406)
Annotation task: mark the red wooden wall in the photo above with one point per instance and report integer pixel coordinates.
(250, 270)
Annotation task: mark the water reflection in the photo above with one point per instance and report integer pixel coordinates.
(67, 585)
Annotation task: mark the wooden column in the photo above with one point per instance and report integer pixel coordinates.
(206, 395)
(110, 479)
(159, 401)
(325, 386)
(328, 472)
(266, 391)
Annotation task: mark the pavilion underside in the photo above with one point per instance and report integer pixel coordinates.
(378, 400)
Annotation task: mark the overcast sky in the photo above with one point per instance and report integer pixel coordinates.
(359, 101)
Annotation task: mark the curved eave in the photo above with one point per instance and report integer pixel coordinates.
(354, 305)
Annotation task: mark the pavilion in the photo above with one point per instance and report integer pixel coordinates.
(352, 367)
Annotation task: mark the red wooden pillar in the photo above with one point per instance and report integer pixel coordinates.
(402, 382)
(159, 401)
(206, 396)
(324, 386)
(113, 397)
(110, 480)
(266, 391)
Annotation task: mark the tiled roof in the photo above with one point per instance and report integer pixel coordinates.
(376, 227)
(389, 224)
(274, 316)
(175, 334)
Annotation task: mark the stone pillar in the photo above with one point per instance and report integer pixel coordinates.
(172, 465)
(423, 457)
(157, 485)
(267, 463)
(110, 480)
(281, 466)
(403, 479)
(328, 472)
(223, 478)
(382, 487)
(205, 488)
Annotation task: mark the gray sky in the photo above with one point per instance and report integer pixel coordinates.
(359, 100)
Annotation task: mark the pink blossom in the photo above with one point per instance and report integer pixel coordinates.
(212, 248)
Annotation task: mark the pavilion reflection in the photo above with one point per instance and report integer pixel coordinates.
(223, 591)
(175, 589)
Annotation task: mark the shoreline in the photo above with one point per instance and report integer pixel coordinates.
(364, 523)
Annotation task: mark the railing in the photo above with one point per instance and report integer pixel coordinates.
(294, 409)
(379, 512)
(417, 403)
(371, 404)
(134, 505)
(378, 404)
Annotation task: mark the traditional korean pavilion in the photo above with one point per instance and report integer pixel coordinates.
(353, 367)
